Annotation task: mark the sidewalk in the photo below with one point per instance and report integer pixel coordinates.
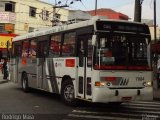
(1, 78)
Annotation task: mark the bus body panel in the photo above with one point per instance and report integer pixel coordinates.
(28, 66)
(119, 89)
(13, 70)
(94, 69)
(106, 95)
(65, 68)
(129, 79)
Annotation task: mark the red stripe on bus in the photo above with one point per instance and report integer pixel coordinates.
(121, 67)
(109, 67)
(139, 68)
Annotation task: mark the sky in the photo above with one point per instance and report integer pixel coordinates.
(124, 6)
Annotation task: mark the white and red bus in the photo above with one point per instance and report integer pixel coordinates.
(97, 60)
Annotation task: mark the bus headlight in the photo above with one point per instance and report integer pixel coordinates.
(147, 84)
(98, 84)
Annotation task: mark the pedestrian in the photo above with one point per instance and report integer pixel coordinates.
(5, 69)
(2, 66)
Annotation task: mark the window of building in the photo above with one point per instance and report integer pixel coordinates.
(10, 7)
(31, 29)
(45, 15)
(9, 28)
(57, 16)
(32, 11)
(68, 47)
(1, 28)
(55, 45)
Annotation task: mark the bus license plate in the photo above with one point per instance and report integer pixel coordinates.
(126, 98)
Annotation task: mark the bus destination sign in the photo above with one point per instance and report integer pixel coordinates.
(121, 27)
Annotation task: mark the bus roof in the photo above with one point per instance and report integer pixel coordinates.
(57, 29)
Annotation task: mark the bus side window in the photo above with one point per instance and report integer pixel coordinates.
(17, 50)
(55, 46)
(25, 47)
(42, 49)
(68, 46)
(33, 49)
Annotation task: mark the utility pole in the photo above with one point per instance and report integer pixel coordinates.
(138, 10)
(54, 12)
(155, 23)
(57, 5)
(95, 7)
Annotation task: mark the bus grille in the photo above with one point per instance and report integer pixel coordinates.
(124, 82)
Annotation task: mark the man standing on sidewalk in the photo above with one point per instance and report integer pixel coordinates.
(5, 69)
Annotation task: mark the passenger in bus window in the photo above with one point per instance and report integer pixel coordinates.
(24, 53)
(54, 48)
(32, 53)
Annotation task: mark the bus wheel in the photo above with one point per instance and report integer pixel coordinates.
(25, 82)
(67, 93)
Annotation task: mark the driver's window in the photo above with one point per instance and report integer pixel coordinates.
(104, 53)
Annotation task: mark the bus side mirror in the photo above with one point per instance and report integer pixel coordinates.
(94, 37)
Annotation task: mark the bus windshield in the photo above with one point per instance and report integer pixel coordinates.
(121, 51)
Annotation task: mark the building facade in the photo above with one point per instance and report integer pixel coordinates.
(23, 16)
(77, 16)
(150, 23)
(153, 32)
(109, 13)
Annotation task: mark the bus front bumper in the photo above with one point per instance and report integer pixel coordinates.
(105, 95)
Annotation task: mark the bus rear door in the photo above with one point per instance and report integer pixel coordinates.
(41, 71)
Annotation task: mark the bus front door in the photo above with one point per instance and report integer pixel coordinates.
(41, 73)
(84, 69)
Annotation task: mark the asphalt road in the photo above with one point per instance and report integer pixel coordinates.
(14, 101)
(39, 105)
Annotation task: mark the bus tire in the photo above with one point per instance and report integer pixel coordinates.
(67, 93)
(25, 87)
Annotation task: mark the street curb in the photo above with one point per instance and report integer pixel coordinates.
(4, 81)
